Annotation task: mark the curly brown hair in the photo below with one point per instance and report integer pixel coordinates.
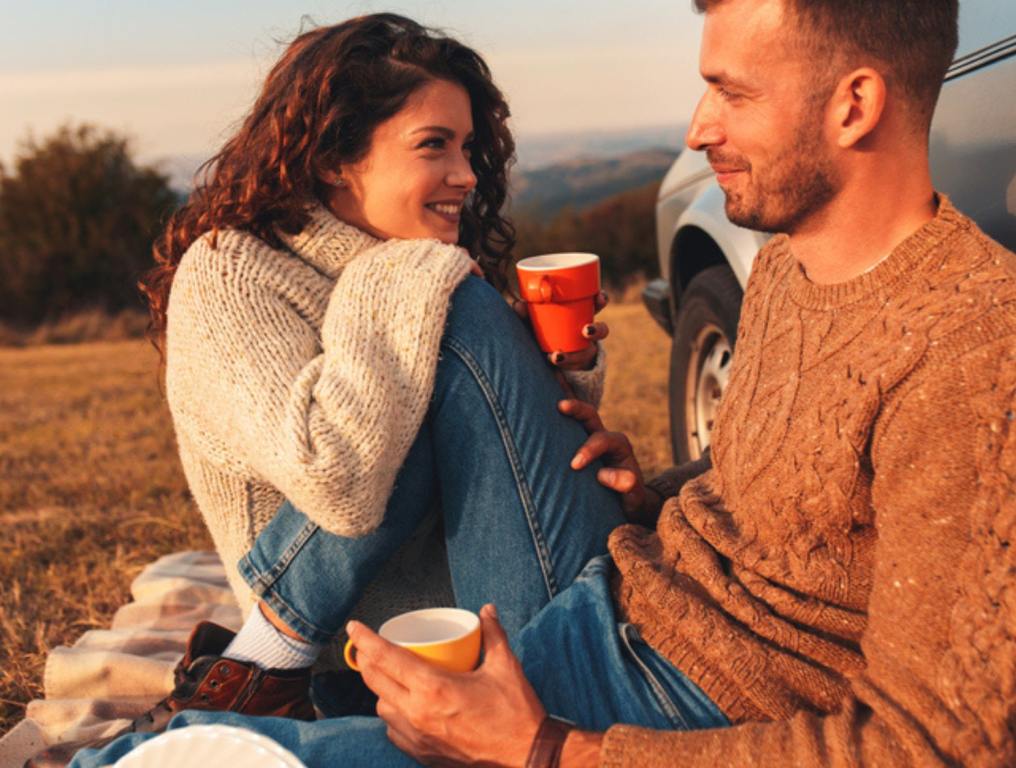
(318, 110)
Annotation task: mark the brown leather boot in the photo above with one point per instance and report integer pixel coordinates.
(205, 680)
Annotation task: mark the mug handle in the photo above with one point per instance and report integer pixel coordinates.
(348, 655)
(541, 285)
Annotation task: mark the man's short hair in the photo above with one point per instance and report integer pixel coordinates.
(911, 42)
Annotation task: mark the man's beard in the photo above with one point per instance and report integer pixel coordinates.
(798, 181)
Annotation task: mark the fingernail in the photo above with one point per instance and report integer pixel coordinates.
(351, 627)
(588, 330)
(559, 356)
(576, 462)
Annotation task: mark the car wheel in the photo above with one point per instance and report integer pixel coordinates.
(700, 355)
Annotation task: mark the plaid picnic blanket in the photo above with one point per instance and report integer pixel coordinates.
(110, 676)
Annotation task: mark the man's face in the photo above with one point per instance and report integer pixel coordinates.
(760, 121)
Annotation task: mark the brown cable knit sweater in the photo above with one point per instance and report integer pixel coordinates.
(841, 582)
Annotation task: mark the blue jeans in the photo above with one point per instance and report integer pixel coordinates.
(494, 453)
(584, 665)
(520, 526)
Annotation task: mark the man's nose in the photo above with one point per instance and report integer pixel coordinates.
(705, 130)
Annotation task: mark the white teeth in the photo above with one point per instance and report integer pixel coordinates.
(450, 210)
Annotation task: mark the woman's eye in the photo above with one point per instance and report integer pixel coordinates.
(433, 143)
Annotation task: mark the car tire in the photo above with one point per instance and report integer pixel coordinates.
(700, 355)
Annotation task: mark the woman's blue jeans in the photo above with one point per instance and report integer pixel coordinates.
(494, 453)
(523, 531)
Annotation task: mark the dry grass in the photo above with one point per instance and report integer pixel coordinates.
(90, 491)
(78, 327)
(91, 488)
(635, 401)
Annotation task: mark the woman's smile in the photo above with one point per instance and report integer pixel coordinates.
(450, 212)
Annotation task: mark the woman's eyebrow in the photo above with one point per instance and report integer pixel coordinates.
(444, 131)
(448, 133)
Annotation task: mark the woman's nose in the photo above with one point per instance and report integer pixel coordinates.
(462, 175)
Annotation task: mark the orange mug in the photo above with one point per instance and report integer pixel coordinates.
(560, 290)
(447, 637)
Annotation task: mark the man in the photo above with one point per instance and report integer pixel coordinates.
(837, 587)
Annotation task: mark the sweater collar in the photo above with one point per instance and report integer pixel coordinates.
(897, 267)
(327, 243)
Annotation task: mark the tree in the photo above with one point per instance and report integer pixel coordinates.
(77, 219)
(620, 229)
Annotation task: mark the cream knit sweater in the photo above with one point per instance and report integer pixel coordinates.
(305, 374)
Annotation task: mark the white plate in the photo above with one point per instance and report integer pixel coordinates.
(206, 746)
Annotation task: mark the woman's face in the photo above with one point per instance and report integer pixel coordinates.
(415, 177)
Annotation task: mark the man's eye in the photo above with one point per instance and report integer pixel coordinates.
(728, 95)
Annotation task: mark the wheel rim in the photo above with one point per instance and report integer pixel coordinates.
(707, 379)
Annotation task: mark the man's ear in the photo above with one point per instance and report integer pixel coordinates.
(858, 105)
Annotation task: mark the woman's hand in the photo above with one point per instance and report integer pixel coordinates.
(622, 472)
(488, 716)
(584, 359)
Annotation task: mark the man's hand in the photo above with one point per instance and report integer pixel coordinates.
(584, 358)
(622, 472)
(488, 716)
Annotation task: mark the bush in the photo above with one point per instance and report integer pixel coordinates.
(77, 327)
(77, 219)
(621, 230)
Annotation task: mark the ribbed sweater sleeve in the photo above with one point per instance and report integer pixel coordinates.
(939, 687)
(588, 385)
(327, 421)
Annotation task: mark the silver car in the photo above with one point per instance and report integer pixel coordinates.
(705, 260)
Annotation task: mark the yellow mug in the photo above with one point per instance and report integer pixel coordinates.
(447, 637)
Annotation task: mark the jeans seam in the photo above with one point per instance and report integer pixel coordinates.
(262, 585)
(525, 496)
(269, 577)
(670, 709)
(290, 617)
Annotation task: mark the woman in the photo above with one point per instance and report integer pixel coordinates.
(318, 387)
(334, 372)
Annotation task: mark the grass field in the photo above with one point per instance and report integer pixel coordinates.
(91, 489)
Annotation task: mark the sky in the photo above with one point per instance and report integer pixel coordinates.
(177, 76)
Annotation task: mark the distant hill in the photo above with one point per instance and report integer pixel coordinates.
(180, 169)
(535, 152)
(541, 193)
(539, 150)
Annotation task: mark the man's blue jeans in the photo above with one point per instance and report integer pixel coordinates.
(520, 526)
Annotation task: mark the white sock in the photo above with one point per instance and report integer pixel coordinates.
(259, 641)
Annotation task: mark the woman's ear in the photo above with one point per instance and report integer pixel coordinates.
(332, 177)
(857, 107)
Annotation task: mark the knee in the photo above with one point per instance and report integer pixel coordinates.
(477, 307)
(475, 293)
